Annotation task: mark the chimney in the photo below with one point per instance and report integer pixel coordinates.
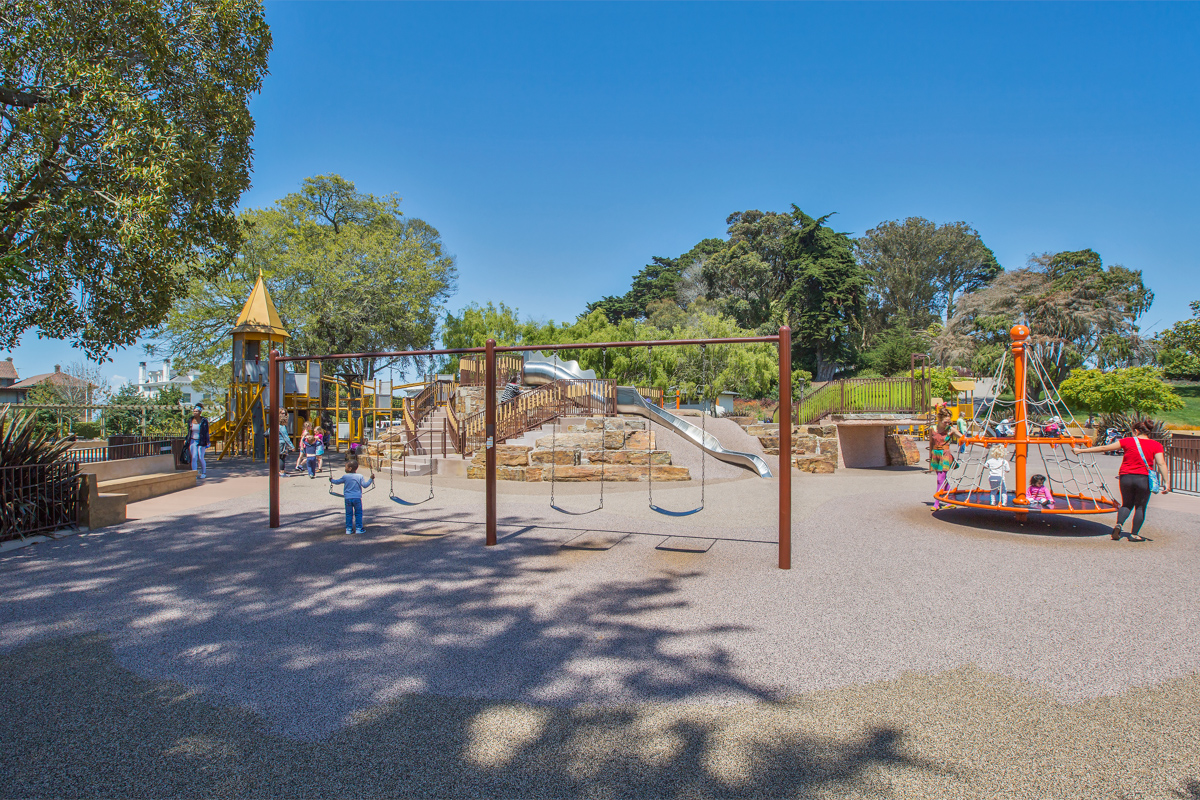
(166, 370)
(58, 367)
(141, 372)
(8, 359)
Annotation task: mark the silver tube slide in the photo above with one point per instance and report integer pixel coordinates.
(541, 370)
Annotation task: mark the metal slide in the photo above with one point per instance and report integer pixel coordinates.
(542, 370)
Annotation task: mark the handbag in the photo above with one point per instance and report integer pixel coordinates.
(185, 453)
(1155, 480)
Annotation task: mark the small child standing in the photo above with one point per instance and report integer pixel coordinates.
(310, 444)
(1038, 493)
(353, 493)
(997, 465)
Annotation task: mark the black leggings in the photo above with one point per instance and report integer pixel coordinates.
(1135, 494)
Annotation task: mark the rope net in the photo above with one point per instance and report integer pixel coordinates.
(1075, 483)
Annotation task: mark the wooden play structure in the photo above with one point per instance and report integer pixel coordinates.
(350, 407)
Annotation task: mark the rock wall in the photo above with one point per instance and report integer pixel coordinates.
(612, 449)
(814, 447)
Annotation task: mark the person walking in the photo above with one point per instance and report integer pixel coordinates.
(1137, 478)
(197, 439)
(309, 446)
(285, 441)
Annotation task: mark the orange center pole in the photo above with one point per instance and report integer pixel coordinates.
(1019, 334)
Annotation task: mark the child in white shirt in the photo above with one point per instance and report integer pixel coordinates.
(996, 466)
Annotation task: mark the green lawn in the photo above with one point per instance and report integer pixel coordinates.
(1190, 413)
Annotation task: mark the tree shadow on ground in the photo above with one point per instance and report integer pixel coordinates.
(77, 723)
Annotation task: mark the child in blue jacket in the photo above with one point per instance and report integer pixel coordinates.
(353, 493)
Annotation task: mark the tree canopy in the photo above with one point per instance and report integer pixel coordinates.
(918, 268)
(1068, 298)
(751, 370)
(124, 147)
(348, 272)
(1180, 346)
(1138, 389)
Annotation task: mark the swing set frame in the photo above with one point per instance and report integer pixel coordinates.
(783, 340)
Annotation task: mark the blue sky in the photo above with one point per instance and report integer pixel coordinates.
(557, 147)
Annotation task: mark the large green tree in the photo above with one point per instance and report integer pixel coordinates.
(124, 147)
(1080, 313)
(348, 272)
(918, 269)
(792, 269)
(1179, 352)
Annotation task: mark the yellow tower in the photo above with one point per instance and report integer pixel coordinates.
(258, 329)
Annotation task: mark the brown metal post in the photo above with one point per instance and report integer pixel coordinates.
(785, 448)
(489, 431)
(273, 436)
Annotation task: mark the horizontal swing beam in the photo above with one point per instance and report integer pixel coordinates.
(528, 348)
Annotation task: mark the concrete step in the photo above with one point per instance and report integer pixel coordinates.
(143, 487)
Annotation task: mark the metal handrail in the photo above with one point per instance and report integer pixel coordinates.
(535, 408)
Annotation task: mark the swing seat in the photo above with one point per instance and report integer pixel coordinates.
(669, 513)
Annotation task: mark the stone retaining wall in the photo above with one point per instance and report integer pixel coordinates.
(613, 448)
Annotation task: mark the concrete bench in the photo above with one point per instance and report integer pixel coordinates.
(113, 484)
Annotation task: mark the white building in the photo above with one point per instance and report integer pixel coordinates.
(149, 383)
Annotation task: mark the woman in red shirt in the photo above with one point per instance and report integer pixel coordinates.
(1134, 474)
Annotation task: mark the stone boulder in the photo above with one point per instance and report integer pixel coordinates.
(507, 455)
(618, 472)
(609, 440)
(568, 457)
(627, 456)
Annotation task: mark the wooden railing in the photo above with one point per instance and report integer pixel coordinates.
(471, 370)
(1183, 462)
(655, 396)
(534, 409)
(864, 396)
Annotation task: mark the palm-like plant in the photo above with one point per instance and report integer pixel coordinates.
(39, 486)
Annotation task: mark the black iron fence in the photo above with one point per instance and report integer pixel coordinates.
(1183, 462)
(38, 498)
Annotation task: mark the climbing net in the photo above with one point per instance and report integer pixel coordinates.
(1075, 484)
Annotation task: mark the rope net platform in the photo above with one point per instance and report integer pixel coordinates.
(1075, 483)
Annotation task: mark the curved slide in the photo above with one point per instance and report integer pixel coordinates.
(541, 370)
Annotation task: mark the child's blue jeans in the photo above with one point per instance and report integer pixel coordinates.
(312, 466)
(999, 492)
(354, 521)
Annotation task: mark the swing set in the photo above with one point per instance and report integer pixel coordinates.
(490, 350)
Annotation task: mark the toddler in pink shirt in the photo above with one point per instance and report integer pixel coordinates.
(1038, 493)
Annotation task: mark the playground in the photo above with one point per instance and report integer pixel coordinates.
(959, 654)
(748, 629)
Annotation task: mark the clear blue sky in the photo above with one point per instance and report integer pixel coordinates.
(557, 147)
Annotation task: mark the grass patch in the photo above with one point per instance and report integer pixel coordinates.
(1189, 415)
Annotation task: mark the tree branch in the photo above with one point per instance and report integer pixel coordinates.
(20, 99)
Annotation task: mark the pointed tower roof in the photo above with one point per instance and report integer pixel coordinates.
(259, 314)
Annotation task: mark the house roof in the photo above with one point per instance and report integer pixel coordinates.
(259, 314)
(7, 370)
(56, 378)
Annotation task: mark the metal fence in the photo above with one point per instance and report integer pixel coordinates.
(125, 447)
(39, 498)
(1183, 462)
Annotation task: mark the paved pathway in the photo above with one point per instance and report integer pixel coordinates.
(907, 654)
